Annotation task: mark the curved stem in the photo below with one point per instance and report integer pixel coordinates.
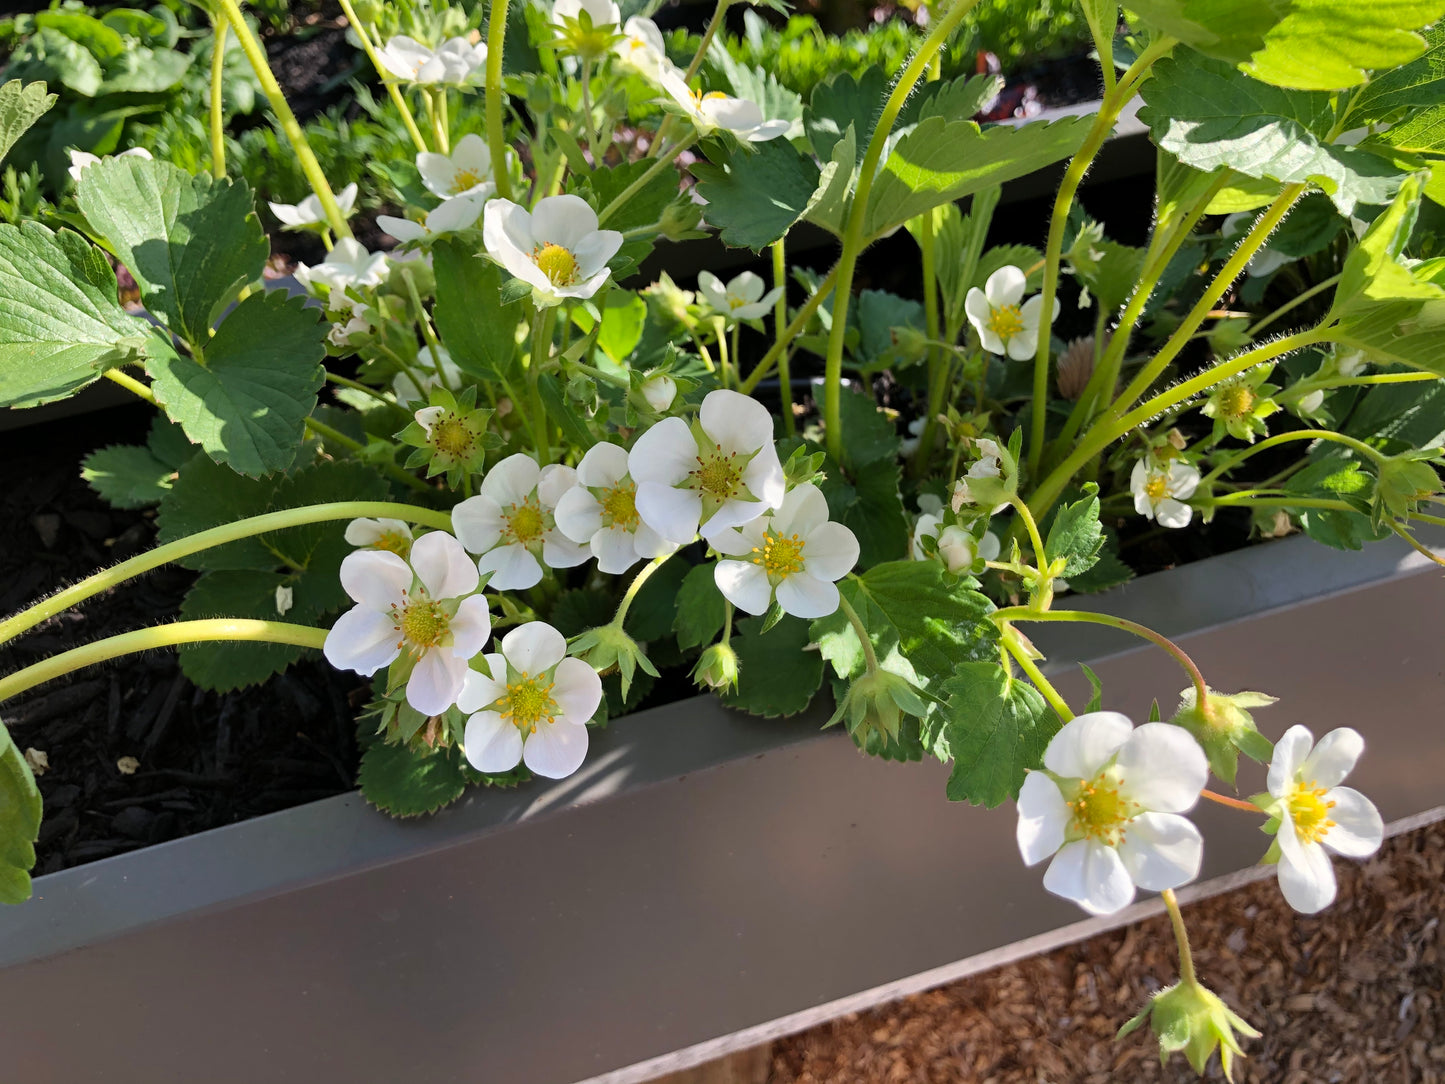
(392, 90)
(1023, 613)
(1307, 386)
(356, 385)
(853, 239)
(286, 118)
(179, 632)
(707, 35)
(870, 657)
(542, 325)
(1233, 803)
(791, 332)
(1181, 937)
(1036, 676)
(131, 384)
(1415, 544)
(496, 133)
(1040, 554)
(1298, 299)
(219, 30)
(781, 337)
(217, 536)
(1285, 438)
(636, 586)
(662, 162)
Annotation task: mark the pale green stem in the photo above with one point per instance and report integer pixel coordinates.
(1035, 675)
(217, 536)
(180, 632)
(1040, 553)
(286, 118)
(1353, 382)
(853, 239)
(1284, 438)
(1298, 299)
(792, 331)
(780, 335)
(636, 586)
(218, 119)
(427, 333)
(638, 185)
(870, 657)
(392, 90)
(713, 26)
(542, 325)
(496, 133)
(587, 106)
(1181, 937)
(356, 385)
(131, 384)
(938, 363)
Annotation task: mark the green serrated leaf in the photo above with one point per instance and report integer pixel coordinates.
(247, 405)
(871, 437)
(757, 195)
(776, 676)
(1330, 44)
(1232, 30)
(996, 729)
(221, 667)
(1076, 535)
(472, 323)
(1208, 114)
(701, 609)
(21, 105)
(127, 475)
(1108, 570)
(845, 100)
(190, 242)
(1418, 84)
(61, 324)
(867, 502)
(828, 206)
(940, 161)
(20, 812)
(405, 784)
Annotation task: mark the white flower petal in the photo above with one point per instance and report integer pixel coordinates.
(1307, 879)
(492, 744)
(513, 568)
(555, 750)
(480, 691)
(363, 640)
(713, 291)
(1164, 768)
(764, 477)
(577, 690)
(403, 229)
(534, 647)
(672, 513)
(511, 481)
(1092, 875)
(603, 466)
(1289, 754)
(804, 509)
(579, 515)
(559, 551)
(436, 681)
(1005, 286)
(1161, 850)
(442, 565)
(563, 220)
(1043, 818)
(1023, 345)
(831, 552)
(991, 342)
(554, 480)
(471, 625)
(745, 585)
(1333, 758)
(614, 549)
(664, 454)
(1085, 743)
(735, 422)
(478, 523)
(375, 578)
(803, 596)
(975, 304)
(1171, 513)
(1358, 829)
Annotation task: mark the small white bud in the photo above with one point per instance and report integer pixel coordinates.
(659, 390)
(285, 599)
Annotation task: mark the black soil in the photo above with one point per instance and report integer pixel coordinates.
(204, 759)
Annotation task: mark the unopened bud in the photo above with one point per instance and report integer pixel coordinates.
(1224, 728)
(717, 668)
(1188, 1017)
(659, 390)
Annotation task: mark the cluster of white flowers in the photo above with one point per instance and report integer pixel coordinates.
(1107, 808)
(419, 602)
(452, 63)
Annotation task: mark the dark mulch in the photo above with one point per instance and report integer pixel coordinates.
(205, 759)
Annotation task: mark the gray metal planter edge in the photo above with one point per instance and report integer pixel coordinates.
(706, 880)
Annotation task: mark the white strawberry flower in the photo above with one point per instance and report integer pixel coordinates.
(601, 12)
(722, 471)
(80, 159)
(716, 111)
(1106, 806)
(425, 368)
(957, 548)
(452, 62)
(457, 213)
(466, 171)
(600, 511)
(393, 535)
(347, 264)
(423, 608)
(642, 48)
(1160, 491)
(740, 299)
(659, 390)
(534, 707)
(1316, 815)
(511, 522)
(556, 249)
(1006, 324)
(308, 215)
(987, 466)
(794, 554)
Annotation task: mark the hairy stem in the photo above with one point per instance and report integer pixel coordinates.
(781, 338)
(219, 30)
(1181, 937)
(792, 331)
(663, 161)
(496, 133)
(870, 657)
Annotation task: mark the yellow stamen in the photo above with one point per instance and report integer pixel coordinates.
(394, 542)
(557, 263)
(1309, 811)
(1100, 810)
(423, 623)
(718, 475)
(1157, 487)
(529, 702)
(1006, 321)
(1236, 402)
(463, 179)
(619, 506)
(451, 436)
(525, 523)
(779, 556)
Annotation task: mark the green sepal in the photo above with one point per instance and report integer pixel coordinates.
(20, 812)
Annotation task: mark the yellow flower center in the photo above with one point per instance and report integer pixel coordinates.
(1100, 810)
(526, 523)
(394, 542)
(1309, 811)
(557, 263)
(711, 96)
(423, 623)
(451, 436)
(529, 702)
(1236, 402)
(779, 556)
(463, 179)
(735, 302)
(718, 475)
(1157, 487)
(619, 506)
(1006, 321)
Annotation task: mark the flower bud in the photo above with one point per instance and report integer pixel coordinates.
(1224, 727)
(874, 706)
(607, 648)
(1190, 1018)
(679, 221)
(717, 668)
(659, 390)
(1405, 480)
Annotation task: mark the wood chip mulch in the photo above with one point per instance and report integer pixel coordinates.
(1354, 995)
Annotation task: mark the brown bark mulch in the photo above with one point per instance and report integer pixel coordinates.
(1355, 994)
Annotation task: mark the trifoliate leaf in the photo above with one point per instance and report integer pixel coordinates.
(247, 404)
(20, 811)
(845, 100)
(127, 475)
(477, 331)
(996, 728)
(776, 675)
(61, 324)
(21, 105)
(701, 609)
(867, 502)
(191, 242)
(941, 161)
(1076, 534)
(1208, 114)
(406, 784)
(755, 196)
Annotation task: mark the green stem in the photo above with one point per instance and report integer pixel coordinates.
(356, 385)
(870, 657)
(1035, 675)
(131, 384)
(1040, 553)
(217, 536)
(938, 363)
(219, 30)
(392, 90)
(496, 134)
(792, 331)
(1298, 299)
(853, 239)
(1416, 545)
(636, 586)
(285, 118)
(1353, 381)
(542, 325)
(713, 25)
(1285, 438)
(663, 161)
(587, 106)
(719, 329)
(1099, 133)
(179, 632)
(780, 336)
(426, 330)
(1025, 613)
(1181, 937)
